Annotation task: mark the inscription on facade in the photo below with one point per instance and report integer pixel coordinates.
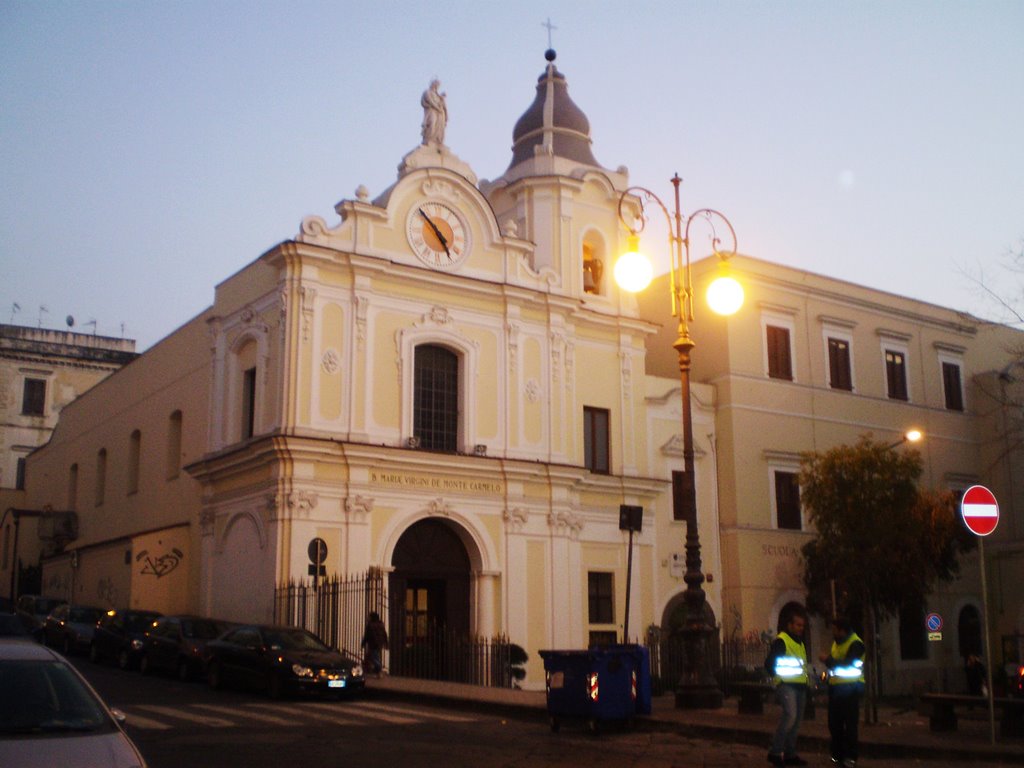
(432, 483)
(773, 550)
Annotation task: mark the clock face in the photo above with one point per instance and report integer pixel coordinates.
(437, 235)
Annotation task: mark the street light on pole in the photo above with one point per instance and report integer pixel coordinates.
(697, 688)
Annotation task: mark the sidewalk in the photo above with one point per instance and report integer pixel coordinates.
(899, 733)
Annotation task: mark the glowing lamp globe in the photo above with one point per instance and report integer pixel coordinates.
(725, 295)
(633, 271)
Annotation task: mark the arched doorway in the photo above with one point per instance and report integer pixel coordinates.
(429, 597)
(969, 631)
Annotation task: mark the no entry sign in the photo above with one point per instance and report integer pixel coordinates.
(980, 510)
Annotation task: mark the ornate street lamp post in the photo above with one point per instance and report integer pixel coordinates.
(697, 688)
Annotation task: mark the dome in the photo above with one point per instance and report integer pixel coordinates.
(552, 121)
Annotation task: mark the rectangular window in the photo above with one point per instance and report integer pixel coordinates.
(248, 403)
(913, 635)
(896, 374)
(101, 475)
(73, 487)
(19, 478)
(600, 600)
(951, 385)
(684, 496)
(780, 364)
(839, 374)
(602, 638)
(787, 501)
(33, 401)
(173, 445)
(595, 439)
(134, 460)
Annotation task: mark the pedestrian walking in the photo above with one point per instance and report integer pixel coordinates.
(845, 667)
(787, 663)
(375, 640)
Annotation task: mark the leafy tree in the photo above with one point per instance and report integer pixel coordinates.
(881, 541)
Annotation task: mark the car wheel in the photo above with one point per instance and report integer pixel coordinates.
(124, 659)
(184, 670)
(214, 676)
(94, 653)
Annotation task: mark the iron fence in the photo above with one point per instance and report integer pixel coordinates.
(336, 608)
(733, 660)
(333, 608)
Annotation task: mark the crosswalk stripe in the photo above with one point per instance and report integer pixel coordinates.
(181, 714)
(418, 712)
(394, 719)
(334, 718)
(246, 712)
(138, 721)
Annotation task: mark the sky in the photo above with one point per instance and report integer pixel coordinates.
(150, 150)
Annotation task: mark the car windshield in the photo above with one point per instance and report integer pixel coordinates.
(81, 615)
(294, 640)
(201, 629)
(47, 697)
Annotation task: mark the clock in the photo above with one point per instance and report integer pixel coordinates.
(438, 235)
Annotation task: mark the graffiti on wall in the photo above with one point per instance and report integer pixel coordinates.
(107, 592)
(159, 565)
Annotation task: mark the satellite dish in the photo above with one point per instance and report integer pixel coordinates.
(70, 321)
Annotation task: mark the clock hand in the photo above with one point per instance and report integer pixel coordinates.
(433, 226)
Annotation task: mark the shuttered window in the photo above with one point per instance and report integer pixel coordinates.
(780, 365)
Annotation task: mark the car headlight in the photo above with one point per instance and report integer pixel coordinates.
(357, 670)
(136, 645)
(301, 671)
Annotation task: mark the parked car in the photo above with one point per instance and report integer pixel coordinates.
(119, 636)
(70, 627)
(33, 610)
(177, 644)
(280, 660)
(49, 715)
(12, 626)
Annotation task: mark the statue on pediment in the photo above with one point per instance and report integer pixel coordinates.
(435, 114)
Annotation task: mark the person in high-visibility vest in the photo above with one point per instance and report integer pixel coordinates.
(787, 664)
(845, 668)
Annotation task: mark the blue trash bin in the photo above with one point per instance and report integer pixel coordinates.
(599, 684)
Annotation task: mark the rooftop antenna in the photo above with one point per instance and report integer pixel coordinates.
(15, 309)
(42, 310)
(93, 324)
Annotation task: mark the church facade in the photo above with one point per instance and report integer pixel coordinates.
(445, 385)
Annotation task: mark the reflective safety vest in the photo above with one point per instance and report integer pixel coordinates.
(791, 668)
(844, 674)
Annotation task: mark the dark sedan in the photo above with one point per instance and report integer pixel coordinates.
(119, 636)
(177, 644)
(70, 627)
(280, 660)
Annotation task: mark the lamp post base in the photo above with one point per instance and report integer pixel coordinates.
(697, 688)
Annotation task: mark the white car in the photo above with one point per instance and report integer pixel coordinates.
(50, 716)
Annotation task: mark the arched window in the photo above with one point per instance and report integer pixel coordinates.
(436, 398)
(593, 263)
(134, 453)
